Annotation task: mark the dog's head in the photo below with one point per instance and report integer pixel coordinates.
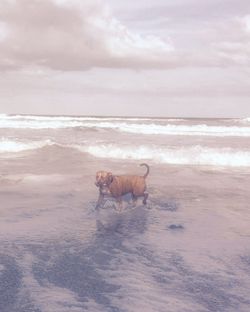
(103, 178)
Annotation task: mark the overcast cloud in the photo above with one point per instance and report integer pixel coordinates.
(73, 35)
(161, 57)
(78, 35)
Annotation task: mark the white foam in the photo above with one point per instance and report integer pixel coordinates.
(170, 129)
(129, 125)
(245, 120)
(57, 122)
(44, 123)
(11, 146)
(193, 130)
(53, 122)
(196, 155)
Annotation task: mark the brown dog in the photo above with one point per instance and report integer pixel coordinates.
(117, 186)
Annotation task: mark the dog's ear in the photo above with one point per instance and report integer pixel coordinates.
(110, 177)
(97, 179)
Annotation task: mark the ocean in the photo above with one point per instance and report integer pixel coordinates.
(187, 250)
(198, 142)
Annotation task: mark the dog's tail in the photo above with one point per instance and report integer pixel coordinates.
(147, 166)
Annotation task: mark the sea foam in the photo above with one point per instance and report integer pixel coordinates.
(12, 146)
(195, 155)
(170, 129)
(132, 125)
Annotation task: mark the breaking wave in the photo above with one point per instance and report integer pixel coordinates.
(10, 146)
(193, 130)
(38, 122)
(129, 125)
(196, 155)
(245, 120)
(57, 122)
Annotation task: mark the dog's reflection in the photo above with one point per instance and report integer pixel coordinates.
(132, 220)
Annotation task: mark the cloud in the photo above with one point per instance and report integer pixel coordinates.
(208, 33)
(234, 44)
(73, 35)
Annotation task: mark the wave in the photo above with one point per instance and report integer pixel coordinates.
(37, 123)
(196, 155)
(245, 120)
(59, 122)
(122, 125)
(170, 129)
(10, 146)
(193, 130)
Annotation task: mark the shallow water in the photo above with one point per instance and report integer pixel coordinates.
(187, 250)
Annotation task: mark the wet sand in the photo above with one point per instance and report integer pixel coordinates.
(187, 250)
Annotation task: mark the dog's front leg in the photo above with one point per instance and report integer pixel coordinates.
(99, 201)
(119, 205)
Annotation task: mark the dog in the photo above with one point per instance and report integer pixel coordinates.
(118, 185)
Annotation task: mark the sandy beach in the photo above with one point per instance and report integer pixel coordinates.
(187, 250)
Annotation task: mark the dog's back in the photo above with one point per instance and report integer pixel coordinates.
(125, 184)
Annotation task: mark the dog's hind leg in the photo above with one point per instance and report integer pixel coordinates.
(145, 197)
(134, 198)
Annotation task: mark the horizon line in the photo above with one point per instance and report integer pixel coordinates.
(118, 116)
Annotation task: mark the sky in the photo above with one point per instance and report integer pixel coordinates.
(164, 58)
